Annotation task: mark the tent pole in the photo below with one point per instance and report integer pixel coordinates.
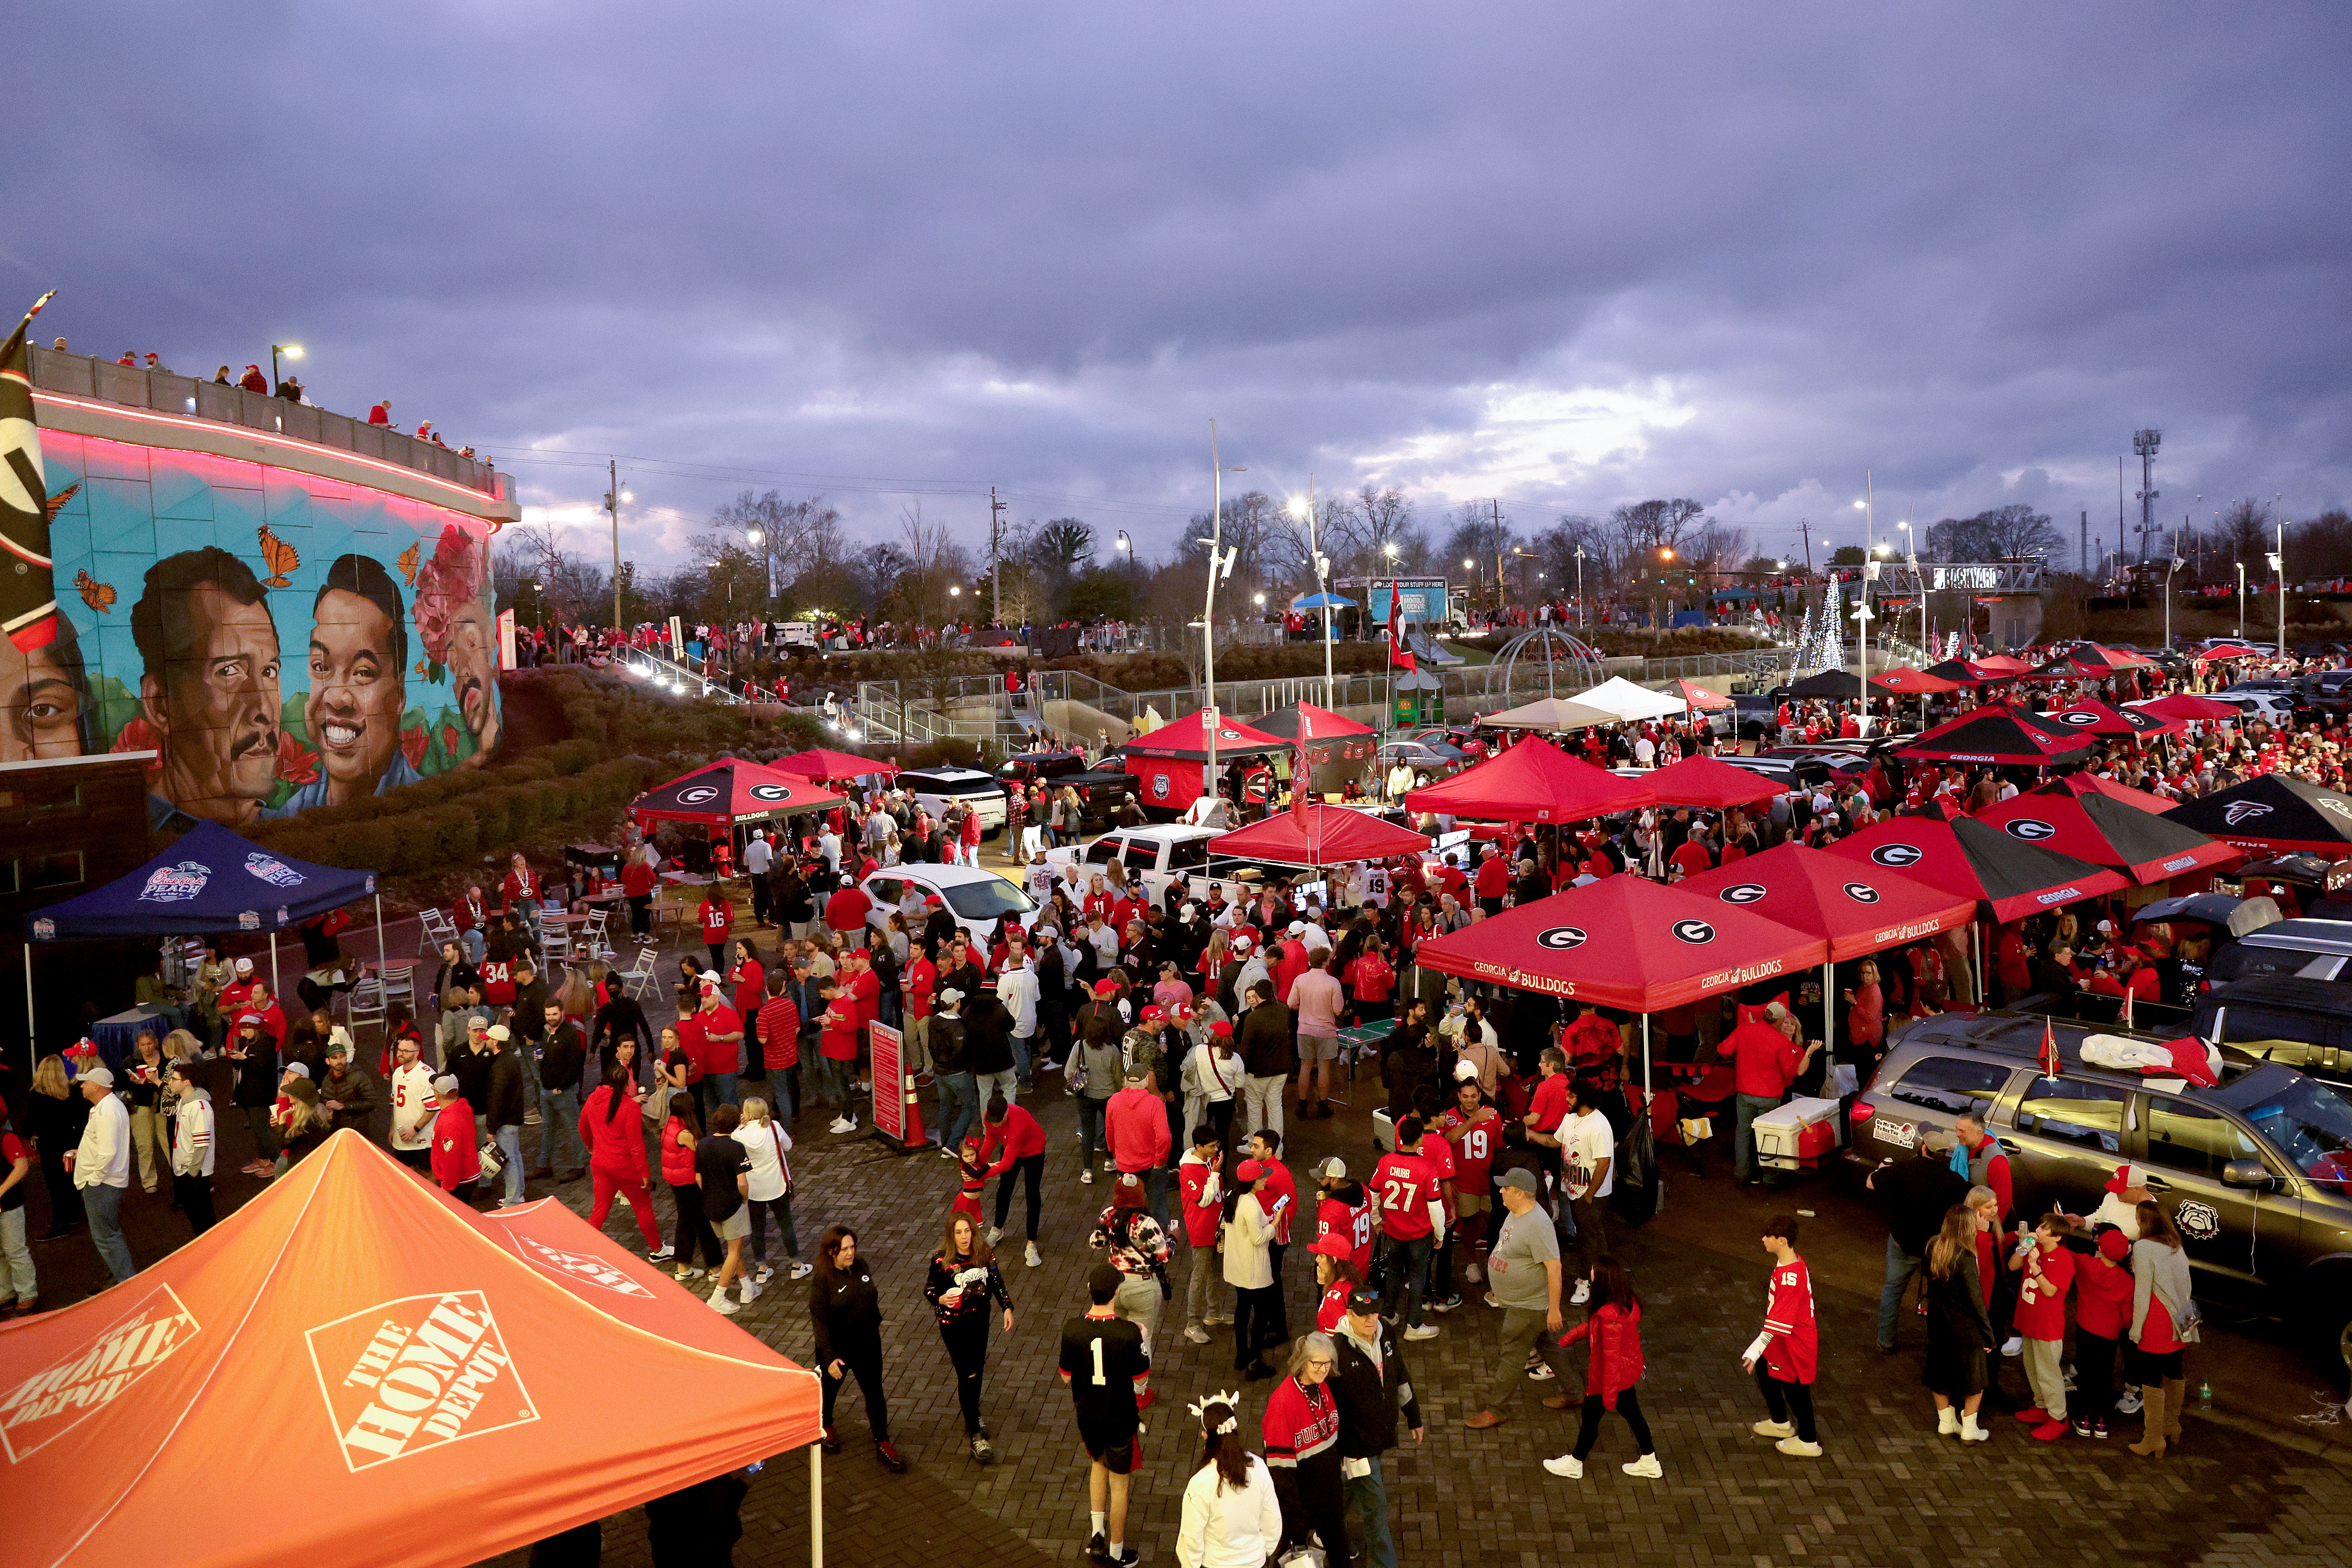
(1829, 1007)
(1646, 1090)
(816, 1505)
(273, 964)
(378, 934)
(31, 1051)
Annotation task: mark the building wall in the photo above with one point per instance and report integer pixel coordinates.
(280, 639)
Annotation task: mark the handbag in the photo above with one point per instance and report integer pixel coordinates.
(491, 1162)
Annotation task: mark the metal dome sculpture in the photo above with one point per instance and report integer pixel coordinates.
(1567, 658)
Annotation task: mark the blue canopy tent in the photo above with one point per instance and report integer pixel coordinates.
(210, 880)
(1322, 602)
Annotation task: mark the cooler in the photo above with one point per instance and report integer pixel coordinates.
(1796, 1135)
(1383, 1131)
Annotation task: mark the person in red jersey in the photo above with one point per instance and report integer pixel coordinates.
(1342, 1207)
(717, 919)
(1336, 1277)
(1438, 1154)
(1301, 1429)
(1786, 1355)
(2046, 1270)
(1410, 1213)
(1474, 1129)
(837, 1053)
(1201, 1215)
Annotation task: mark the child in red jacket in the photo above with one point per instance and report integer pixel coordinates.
(1614, 1330)
(974, 1180)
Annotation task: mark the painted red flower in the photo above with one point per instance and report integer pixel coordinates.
(412, 746)
(449, 741)
(140, 736)
(295, 766)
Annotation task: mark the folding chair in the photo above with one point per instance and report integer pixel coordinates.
(364, 1003)
(434, 928)
(638, 978)
(592, 937)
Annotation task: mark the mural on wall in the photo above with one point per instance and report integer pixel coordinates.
(281, 641)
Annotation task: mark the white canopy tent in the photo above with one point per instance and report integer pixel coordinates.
(1548, 713)
(1621, 699)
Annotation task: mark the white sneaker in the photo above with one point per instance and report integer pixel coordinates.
(1213, 1320)
(1541, 1372)
(2128, 1402)
(1423, 1332)
(752, 1292)
(1196, 1333)
(1566, 1465)
(1797, 1447)
(1584, 1293)
(802, 1270)
(720, 1302)
(1087, 1177)
(689, 1272)
(1031, 1258)
(1646, 1466)
(946, 1154)
(664, 1255)
(2015, 1345)
(1773, 1429)
(1947, 1422)
(996, 1234)
(840, 1124)
(762, 1274)
(1972, 1433)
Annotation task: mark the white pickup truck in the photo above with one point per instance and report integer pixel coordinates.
(1155, 854)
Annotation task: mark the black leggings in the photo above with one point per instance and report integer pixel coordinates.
(1781, 1398)
(2094, 1377)
(1629, 1406)
(692, 1229)
(867, 1371)
(967, 1342)
(1256, 1326)
(1314, 1500)
(1031, 1170)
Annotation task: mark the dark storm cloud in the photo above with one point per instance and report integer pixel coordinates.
(1740, 253)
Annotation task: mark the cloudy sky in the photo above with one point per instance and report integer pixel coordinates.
(1563, 256)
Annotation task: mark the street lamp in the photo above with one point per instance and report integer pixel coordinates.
(291, 351)
(2241, 601)
(1306, 508)
(1221, 565)
(1580, 588)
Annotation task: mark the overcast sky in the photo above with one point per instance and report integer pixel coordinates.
(1564, 256)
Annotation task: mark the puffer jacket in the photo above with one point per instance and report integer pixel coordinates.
(613, 1136)
(1615, 1331)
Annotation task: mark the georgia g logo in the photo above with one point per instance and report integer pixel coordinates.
(1861, 892)
(2078, 718)
(771, 792)
(1742, 893)
(697, 795)
(1897, 856)
(2032, 830)
(1696, 932)
(1561, 938)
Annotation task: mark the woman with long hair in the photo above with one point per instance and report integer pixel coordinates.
(1613, 1327)
(143, 1085)
(1231, 1517)
(611, 1130)
(765, 1146)
(1959, 1329)
(1249, 1269)
(693, 1231)
(1302, 1448)
(1336, 1276)
(55, 1116)
(963, 1279)
(308, 1122)
(2163, 1319)
(1866, 1019)
(847, 1313)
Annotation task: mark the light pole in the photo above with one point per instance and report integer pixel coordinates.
(614, 496)
(1580, 588)
(2278, 566)
(2241, 601)
(1221, 565)
(758, 537)
(291, 351)
(1126, 548)
(2168, 571)
(1322, 583)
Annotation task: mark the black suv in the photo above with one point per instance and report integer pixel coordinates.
(2256, 1173)
(2306, 1024)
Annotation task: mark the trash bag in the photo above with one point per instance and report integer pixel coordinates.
(1640, 1189)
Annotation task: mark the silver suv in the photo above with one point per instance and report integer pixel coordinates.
(2257, 1173)
(2316, 950)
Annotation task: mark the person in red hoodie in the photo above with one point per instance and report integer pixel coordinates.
(612, 1128)
(1613, 1330)
(1202, 1214)
(1019, 1143)
(457, 1160)
(637, 880)
(2102, 1313)
(1764, 1063)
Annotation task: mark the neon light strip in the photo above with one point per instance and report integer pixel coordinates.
(273, 437)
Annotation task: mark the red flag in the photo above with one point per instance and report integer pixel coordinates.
(1397, 654)
(2050, 1063)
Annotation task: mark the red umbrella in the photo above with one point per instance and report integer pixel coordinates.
(1625, 943)
(2187, 705)
(2006, 876)
(1320, 835)
(2000, 666)
(1995, 733)
(728, 791)
(2090, 658)
(1908, 681)
(1858, 909)
(1535, 780)
(1698, 696)
(2107, 832)
(1705, 781)
(2094, 718)
(2091, 784)
(817, 763)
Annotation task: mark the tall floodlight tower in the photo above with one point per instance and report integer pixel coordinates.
(2144, 443)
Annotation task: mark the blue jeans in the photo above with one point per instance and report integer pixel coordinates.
(1155, 1193)
(1900, 1266)
(722, 1089)
(1090, 1129)
(559, 1125)
(1744, 1109)
(1021, 1058)
(104, 1207)
(1369, 1496)
(831, 1080)
(510, 1143)
(1408, 1276)
(959, 1107)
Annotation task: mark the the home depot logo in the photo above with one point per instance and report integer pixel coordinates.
(581, 1266)
(412, 1375)
(63, 1395)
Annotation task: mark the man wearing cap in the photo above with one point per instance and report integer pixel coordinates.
(347, 1092)
(1371, 1387)
(1912, 1196)
(503, 1107)
(1524, 1269)
(1135, 1124)
(101, 1170)
(255, 1058)
(1017, 989)
(1268, 1053)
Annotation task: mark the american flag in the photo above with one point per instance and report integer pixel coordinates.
(28, 605)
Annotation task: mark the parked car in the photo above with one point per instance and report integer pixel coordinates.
(980, 899)
(2306, 1023)
(2277, 708)
(1754, 716)
(936, 789)
(1029, 766)
(1463, 738)
(1156, 856)
(1433, 759)
(2233, 645)
(2316, 950)
(2256, 1175)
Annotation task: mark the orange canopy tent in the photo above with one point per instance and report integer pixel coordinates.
(437, 1386)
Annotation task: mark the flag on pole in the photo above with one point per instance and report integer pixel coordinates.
(2128, 1008)
(2050, 1063)
(28, 604)
(1397, 654)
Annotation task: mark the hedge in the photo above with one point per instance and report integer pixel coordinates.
(437, 837)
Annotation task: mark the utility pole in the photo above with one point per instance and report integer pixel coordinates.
(1218, 564)
(1805, 526)
(995, 565)
(612, 505)
(2083, 549)
(2145, 443)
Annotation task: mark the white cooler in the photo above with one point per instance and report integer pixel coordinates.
(1796, 1136)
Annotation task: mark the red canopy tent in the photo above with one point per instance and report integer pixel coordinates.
(2104, 831)
(1995, 733)
(2090, 658)
(1697, 696)
(2091, 784)
(1910, 682)
(440, 1386)
(1999, 666)
(2094, 718)
(817, 762)
(1705, 781)
(728, 791)
(1157, 758)
(1535, 780)
(1317, 834)
(2006, 876)
(2187, 705)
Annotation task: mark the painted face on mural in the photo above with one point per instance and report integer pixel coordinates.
(357, 692)
(474, 672)
(44, 696)
(216, 703)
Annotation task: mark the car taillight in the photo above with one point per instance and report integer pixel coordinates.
(1863, 1110)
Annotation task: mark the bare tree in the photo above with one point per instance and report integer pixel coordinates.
(2246, 533)
(2003, 533)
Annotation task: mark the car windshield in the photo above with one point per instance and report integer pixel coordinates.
(2311, 1125)
(990, 901)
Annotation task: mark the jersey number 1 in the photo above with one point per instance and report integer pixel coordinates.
(1099, 1379)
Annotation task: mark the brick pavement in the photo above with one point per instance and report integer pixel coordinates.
(1887, 1490)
